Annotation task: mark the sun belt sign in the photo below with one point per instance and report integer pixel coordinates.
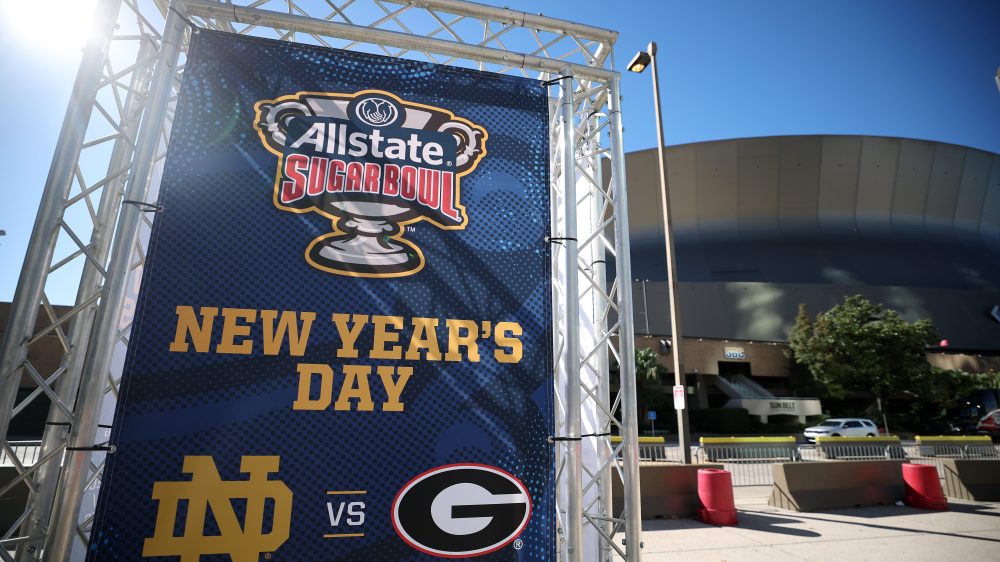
(373, 163)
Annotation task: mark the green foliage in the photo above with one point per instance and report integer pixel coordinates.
(943, 385)
(651, 395)
(647, 364)
(861, 346)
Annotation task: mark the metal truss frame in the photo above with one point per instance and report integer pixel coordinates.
(103, 183)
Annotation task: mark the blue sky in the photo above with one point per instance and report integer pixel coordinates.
(909, 68)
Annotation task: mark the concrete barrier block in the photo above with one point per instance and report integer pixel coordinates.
(972, 479)
(667, 490)
(814, 486)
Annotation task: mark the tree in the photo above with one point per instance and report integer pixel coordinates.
(647, 365)
(944, 385)
(861, 346)
(650, 394)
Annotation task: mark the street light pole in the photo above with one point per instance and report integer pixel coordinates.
(683, 431)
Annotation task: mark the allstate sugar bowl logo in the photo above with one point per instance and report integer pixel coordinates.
(377, 112)
(373, 163)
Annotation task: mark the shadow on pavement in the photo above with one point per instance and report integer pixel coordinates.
(873, 511)
(975, 509)
(772, 524)
(747, 520)
(871, 525)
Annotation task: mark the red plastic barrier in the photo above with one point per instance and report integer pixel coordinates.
(923, 488)
(715, 490)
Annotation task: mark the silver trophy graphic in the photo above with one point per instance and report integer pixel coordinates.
(373, 163)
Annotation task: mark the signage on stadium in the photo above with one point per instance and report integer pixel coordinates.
(734, 352)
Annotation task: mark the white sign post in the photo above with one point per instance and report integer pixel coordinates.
(679, 397)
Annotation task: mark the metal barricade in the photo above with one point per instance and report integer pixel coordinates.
(749, 448)
(860, 448)
(26, 453)
(656, 452)
(957, 447)
(654, 449)
(749, 459)
(748, 467)
(934, 450)
(913, 455)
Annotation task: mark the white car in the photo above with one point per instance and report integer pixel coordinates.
(842, 427)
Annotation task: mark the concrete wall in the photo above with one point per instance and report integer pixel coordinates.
(701, 356)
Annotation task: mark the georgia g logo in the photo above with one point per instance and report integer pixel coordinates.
(461, 510)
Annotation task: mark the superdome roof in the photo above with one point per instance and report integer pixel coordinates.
(822, 209)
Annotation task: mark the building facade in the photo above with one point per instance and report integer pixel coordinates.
(764, 224)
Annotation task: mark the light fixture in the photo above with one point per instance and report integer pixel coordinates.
(639, 62)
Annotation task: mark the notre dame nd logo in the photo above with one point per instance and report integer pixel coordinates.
(206, 489)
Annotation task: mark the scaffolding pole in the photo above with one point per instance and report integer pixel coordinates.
(63, 527)
(571, 321)
(626, 333)
(58, 425)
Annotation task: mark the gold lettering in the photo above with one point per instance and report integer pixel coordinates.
(188, 325)
(355, 387)
(306, 373)
(424, 337)
(515, 352)
(456, 340)
(349, 335)
(288, 325)
(232, 330)
(387, 330)
(393, 389)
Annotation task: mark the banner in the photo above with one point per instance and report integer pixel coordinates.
(342, 345)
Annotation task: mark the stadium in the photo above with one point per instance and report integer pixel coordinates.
(764, 224)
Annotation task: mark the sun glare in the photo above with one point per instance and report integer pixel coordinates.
(58, 27)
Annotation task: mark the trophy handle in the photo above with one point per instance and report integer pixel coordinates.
(274, 119)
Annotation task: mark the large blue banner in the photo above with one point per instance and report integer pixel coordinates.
(342, 348)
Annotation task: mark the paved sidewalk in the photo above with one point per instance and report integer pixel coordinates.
(967, 531)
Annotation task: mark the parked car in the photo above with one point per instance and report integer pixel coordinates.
(842, 427)
(990, 423)
(966, 415)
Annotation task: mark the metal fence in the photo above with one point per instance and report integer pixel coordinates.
(957, 450)
(752, 466)
(26, 452)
